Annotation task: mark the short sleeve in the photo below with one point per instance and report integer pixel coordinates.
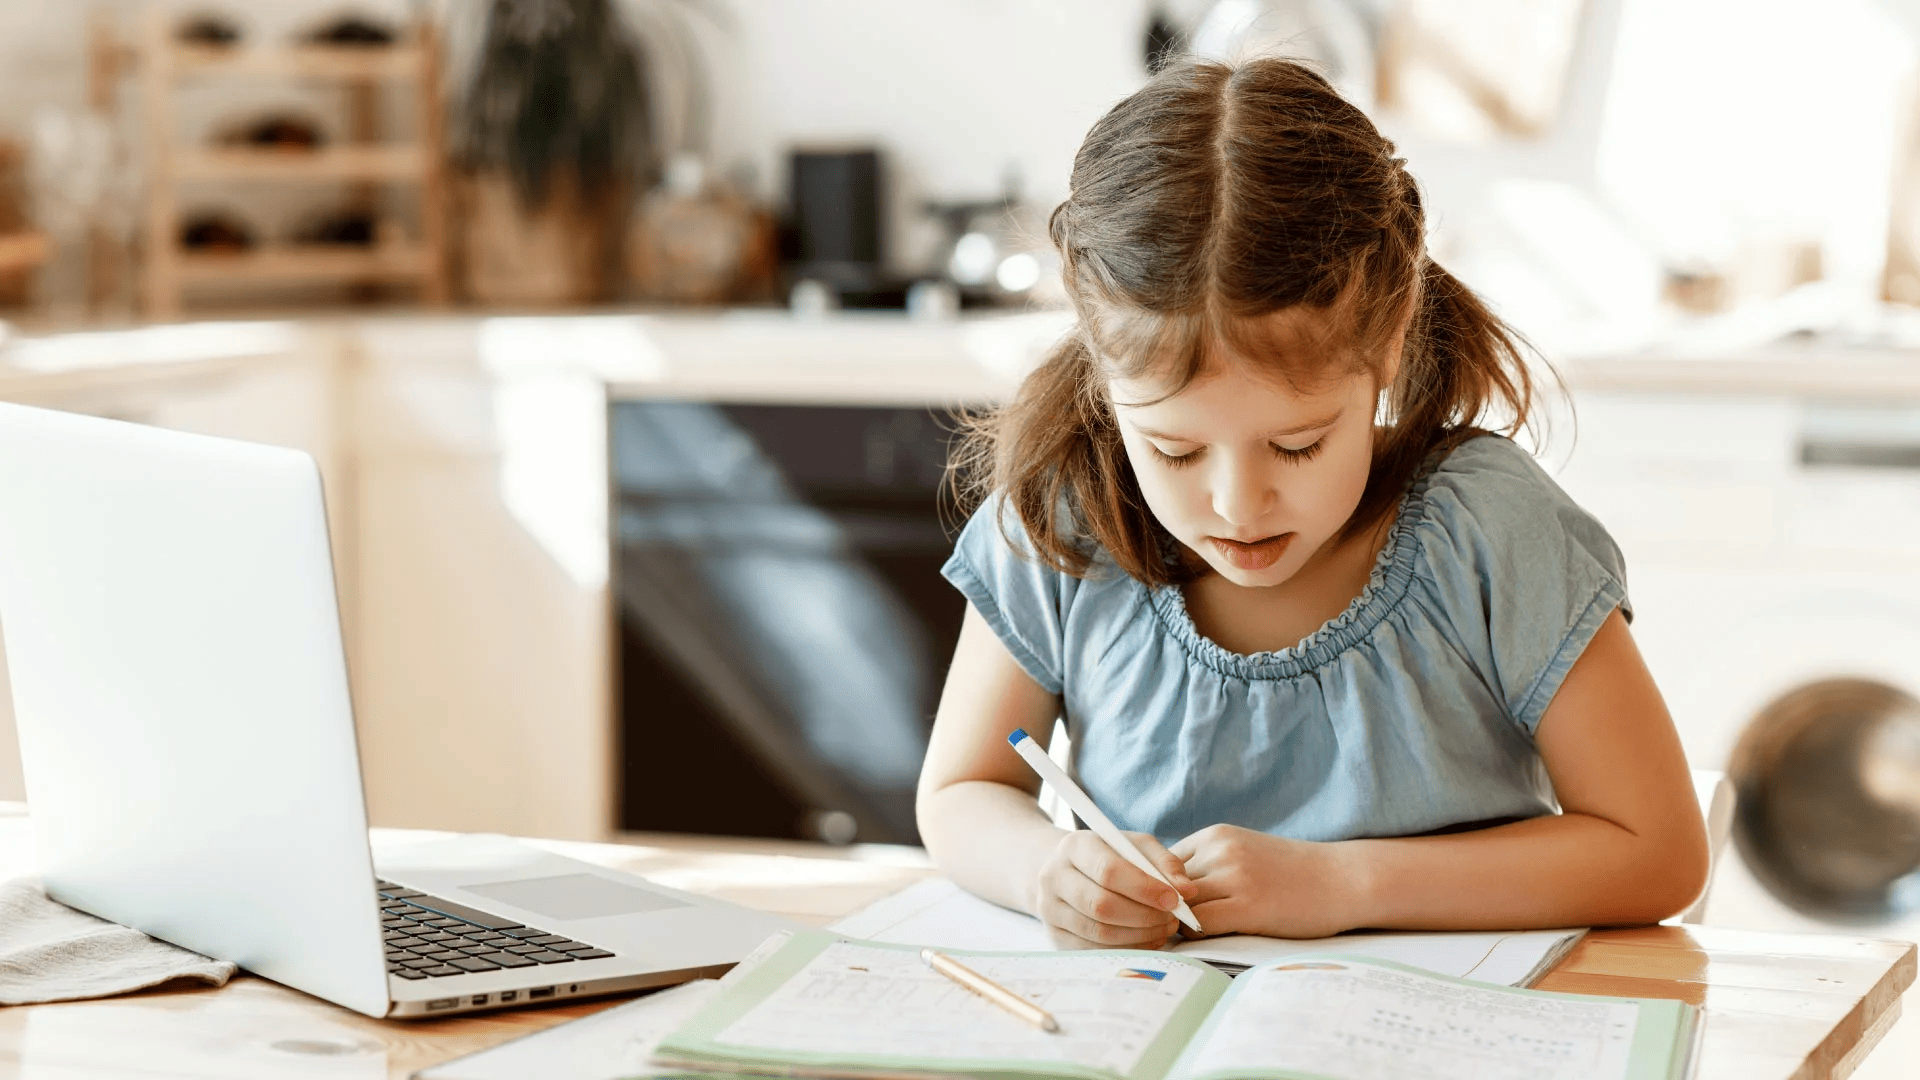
(1022, 598)
(1524, 574)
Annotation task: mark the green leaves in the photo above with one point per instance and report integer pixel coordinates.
(561, 85)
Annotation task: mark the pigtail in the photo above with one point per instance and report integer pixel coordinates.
(1479, 372)
(1463, 373)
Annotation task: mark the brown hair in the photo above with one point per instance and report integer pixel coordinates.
(1210, 197)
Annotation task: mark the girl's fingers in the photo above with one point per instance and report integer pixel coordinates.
(1064, 940)
(1062, 916)
(1104, 867)
(1092, 895)
(1207, 889)
(1170, 864)
(1198, 852)
(1217, 915)
(1103, 905)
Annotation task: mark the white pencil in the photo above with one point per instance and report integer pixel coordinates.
(1089, 813)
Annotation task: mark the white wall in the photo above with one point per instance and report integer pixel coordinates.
(1735, 124)
(959, 94)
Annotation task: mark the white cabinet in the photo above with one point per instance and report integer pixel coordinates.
(480, 661)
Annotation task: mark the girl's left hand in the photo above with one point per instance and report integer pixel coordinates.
(1255, 883)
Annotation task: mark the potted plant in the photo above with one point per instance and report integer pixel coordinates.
(553, 132)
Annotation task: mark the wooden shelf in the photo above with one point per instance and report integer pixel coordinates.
(361, 159)
(325, 165)
(399, 61)
(307, 263)
(22, 250)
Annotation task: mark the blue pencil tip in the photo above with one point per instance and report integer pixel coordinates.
(1018, 734)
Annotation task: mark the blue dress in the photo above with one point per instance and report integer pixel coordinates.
(1411, 711)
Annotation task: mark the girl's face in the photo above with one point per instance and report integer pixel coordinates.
(1251, 475)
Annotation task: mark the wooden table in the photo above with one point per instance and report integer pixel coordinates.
(1777, 1006)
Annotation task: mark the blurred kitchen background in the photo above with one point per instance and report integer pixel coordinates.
(628, 335)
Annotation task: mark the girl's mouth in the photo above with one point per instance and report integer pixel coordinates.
(1257, 555)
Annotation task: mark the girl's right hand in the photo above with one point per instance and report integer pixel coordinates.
(1091, 898)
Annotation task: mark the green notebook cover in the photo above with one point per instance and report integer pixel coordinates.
(820, 1005)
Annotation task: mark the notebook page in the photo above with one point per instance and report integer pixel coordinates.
(857, 1001)
(1352, 1020)
(940, 913)
(1513, 958)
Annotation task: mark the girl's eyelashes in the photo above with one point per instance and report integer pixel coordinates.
(1304, 453)
(1287, 453)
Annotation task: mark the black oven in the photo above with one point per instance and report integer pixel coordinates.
(783, 629)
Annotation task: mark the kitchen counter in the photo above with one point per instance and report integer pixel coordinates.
(863, 356)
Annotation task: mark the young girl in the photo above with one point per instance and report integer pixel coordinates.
(1340, 657)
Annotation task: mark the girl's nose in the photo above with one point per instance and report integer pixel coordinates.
(1243, 492)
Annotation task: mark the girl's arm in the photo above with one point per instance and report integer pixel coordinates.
(980, 818)
(1629, 846)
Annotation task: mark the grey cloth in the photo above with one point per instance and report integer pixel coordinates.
(50, 952)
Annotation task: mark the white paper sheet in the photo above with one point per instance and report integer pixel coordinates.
(939, 913)
(1383, 1024)
(855, 999)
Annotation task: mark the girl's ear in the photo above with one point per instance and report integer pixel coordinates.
(1397, 345)
(1390, 363)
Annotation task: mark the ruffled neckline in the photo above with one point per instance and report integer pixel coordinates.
(1386, 586)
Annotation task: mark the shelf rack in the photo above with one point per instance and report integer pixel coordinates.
(22, 250)
(411, 63)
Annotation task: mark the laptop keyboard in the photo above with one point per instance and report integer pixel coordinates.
(430, 938)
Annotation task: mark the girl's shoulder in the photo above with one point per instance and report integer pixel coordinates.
(994, 535)
(1520, 574)
(1490, 462)
(1028, 601)
(1489, 489)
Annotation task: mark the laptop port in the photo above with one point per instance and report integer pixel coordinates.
(509, 995)
(540, 992)
(443, 1003)
(479, 999)
(574, 989)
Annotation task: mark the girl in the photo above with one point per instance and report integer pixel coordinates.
(1341, 657)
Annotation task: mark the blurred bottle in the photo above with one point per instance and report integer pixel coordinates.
(695, 241)
(1828, 818)
(933, 300)
(75, 173)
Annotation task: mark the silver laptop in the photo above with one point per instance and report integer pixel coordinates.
(168, 610)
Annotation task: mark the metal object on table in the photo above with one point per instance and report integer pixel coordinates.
(1828, 777)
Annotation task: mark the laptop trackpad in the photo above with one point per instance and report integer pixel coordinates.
(574, 896)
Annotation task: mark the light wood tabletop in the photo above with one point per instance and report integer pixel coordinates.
(1778, 1006)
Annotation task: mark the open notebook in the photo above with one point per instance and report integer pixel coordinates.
(813, 1004)
(939, 913)
(824, 1006)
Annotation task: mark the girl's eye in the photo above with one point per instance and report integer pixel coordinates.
(1305, 453)
(1178, 461)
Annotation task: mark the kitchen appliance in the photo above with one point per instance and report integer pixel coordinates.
(783, 626)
